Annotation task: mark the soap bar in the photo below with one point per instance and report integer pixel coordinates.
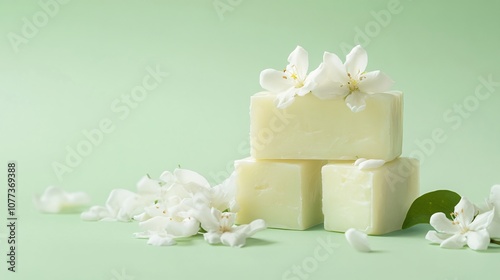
(374, 201)
(284, 193)
(311, 128)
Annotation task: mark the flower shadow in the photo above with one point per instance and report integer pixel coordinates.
(251, 242)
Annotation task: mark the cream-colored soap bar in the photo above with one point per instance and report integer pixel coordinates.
(311, 128)
(374, 201)
(286, 194)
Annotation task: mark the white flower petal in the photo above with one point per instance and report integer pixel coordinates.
(436, 237)
(356, 61)
(256, 226)
(234, 239)
(336, 69)
(299, 59)
(356, 101)
(482, 221)
(157, 224)
(375, 82)
(146, 185)
(188, 177)
(224, 194)
(465, 210)
(456, 241)
(116, 199)
(494, 202)
(325, 87)
(167, 177)
(442, 224)
(478, 240)
(286, 98)
(330, 77)
(273, 81)
(160, 240)
(131, 207)
(371, 164)
(209, 218)
(212, 237)
(95, 213)
(308, 86)
(187, 227)
(358, 240)
(494, 198)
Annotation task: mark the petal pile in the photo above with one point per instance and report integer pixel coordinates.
(178, 205)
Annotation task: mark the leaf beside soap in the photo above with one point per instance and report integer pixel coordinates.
(427, 204)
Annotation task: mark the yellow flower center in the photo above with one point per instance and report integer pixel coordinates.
(291, 72)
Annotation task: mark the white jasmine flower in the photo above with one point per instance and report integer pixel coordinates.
(349, 80)
(292, 81)
(466, 227)
(221, 229)
(56, 200)
(358, 240)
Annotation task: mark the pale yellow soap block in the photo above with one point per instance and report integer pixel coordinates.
(285, 193)
(373, 201)
(311, 128)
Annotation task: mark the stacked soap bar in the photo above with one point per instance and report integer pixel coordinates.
(286, 193)
(374, 201)
(312, 128)
(301, 171)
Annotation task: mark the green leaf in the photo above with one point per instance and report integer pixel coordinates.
(423, 207)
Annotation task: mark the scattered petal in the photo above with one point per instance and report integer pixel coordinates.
(56, 200)
(371, 164)
(358, 240)
(160, 240)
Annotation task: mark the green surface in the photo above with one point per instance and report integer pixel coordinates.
(73, 69)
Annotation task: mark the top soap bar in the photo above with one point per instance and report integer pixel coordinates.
(312, 128)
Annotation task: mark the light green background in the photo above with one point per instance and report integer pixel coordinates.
(65, 78)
